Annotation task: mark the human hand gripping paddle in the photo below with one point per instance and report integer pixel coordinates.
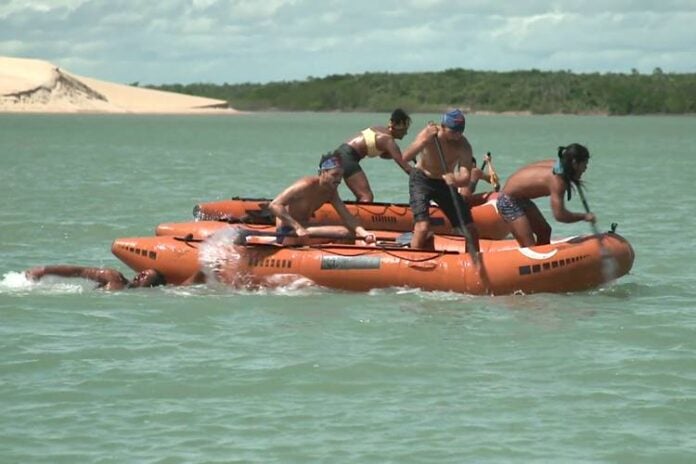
(493, 176)
(460, 217)
(608, 263)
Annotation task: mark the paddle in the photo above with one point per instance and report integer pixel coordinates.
(587, 209)
(244, 233)
(453, 193)
(608, 264)
(399, 241)
(495, 180)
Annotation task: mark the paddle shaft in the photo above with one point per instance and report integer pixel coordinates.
(263, 233)
(336, 236)
(587, 208)
(454, 194)
(608, 263)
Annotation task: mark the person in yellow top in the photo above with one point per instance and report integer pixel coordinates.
(372, 142)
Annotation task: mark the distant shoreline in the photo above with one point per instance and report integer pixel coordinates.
(226, 113)
(480, 92)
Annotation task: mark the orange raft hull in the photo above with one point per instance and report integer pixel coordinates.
(381, 216)
(575, 264)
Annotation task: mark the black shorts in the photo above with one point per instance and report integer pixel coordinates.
(350, 159)
(422, 189)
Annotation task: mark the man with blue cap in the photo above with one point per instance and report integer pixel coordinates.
(440, 149)
(294, 206)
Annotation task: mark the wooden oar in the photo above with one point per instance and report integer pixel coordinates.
(495, 180)
(492, 175)
(587, 209)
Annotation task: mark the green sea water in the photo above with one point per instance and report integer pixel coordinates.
(211, 375)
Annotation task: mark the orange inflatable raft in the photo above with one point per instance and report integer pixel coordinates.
(372, 216)
(574, 264)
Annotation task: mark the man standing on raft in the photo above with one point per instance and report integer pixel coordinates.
(427, 180)
(371, 142)
(549, 177)
(294, 207)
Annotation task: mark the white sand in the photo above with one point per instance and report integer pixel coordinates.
(36, 86)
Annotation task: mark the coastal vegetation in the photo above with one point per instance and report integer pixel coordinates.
(532, 91)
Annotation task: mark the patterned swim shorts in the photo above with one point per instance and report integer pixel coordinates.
(511, 208)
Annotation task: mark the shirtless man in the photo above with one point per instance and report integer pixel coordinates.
(107, 279)
(427, 180)
(552, 178)
(294, 206)
(371, 142)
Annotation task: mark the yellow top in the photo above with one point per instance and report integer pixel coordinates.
(370, 137)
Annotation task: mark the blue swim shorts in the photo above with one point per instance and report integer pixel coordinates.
(511, 208)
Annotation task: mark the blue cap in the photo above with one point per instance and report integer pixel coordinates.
(454, 120)
(329, 162)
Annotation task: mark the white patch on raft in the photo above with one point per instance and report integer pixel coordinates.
(541, 256)
(535, 255)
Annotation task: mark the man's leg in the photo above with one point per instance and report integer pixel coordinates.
(538, 224)
(522, 231)
(422, 237)
(419, 200)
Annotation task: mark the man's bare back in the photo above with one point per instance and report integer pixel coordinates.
(303, 198)
(531, 181)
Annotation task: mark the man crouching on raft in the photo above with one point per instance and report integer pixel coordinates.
(427, 181)
(549, 177)
(294, 207)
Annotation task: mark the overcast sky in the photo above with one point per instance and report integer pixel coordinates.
(184, 41)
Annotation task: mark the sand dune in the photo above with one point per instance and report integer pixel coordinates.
(36, 86)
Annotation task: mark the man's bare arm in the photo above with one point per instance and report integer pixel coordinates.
(100, 275)
(558, 208)
(422, 139)
(350, 221)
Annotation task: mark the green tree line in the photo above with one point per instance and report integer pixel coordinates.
(534, 91)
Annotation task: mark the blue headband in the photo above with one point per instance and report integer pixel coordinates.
(330, 163)
(454, 120)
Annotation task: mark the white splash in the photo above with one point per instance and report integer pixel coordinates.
(219, 253)
(17, 283)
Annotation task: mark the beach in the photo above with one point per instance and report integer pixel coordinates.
(37, 86)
